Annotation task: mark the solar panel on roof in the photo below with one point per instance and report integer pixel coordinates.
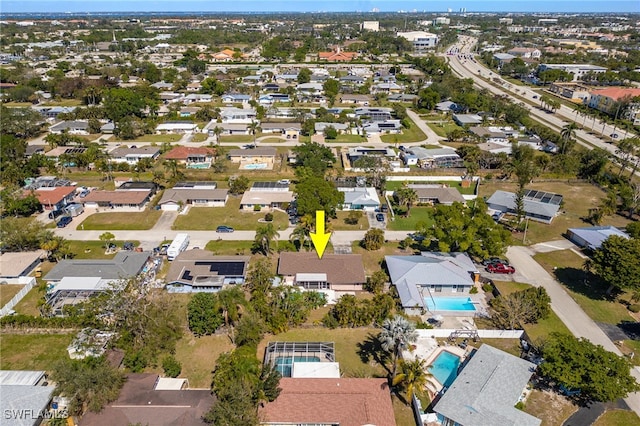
(543, 197)
(186, 275)
(223, 268)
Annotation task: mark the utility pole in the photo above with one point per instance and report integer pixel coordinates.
(526, 225)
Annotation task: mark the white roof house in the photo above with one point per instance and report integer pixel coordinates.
(593, 237)
(360, 198)
(538, 205)
(177, 127)
(486, 391)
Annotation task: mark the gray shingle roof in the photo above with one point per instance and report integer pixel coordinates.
(594, 236)
(508, 200)
(20, 398)
(125, 264)
(487, 389)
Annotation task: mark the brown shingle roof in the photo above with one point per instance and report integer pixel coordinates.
(53, 195)
(117, 197)
(347, 402)
(340, 268)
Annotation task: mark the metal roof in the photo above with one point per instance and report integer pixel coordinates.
(20, 377)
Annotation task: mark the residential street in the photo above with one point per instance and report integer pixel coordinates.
(565, 307)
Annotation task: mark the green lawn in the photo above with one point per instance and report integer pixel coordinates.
(373, 259)
(199, 137)
(237, 138)
(7, 291)
(169, 137)
(444, 127)
(198, 357)
(410, 223)
(618, 418)
(339, 224)
(32, 351)
(412, 134)
(94, 249)
(347, 341)
(631, 346)
(347, 138)
(578, 199)
(586, 289)
(125, 221)
(209, 218)
(229, 248)
(393, 185)
(544, 327)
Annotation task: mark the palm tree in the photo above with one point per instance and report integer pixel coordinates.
(265, 236)
(396, 334)
(218, 131)
(413, 376)
(301, 235)
(406, 197)
(568, 133)
(253, 129)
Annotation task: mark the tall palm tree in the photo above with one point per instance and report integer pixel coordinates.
(567, 133)
(218, 131)
(266, 235)
(301, 235)
(253, 129)
(396, 334)
(413, 376)
(406, 197)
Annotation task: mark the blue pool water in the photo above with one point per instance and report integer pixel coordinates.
(449, 304)
(284, 364)
(199, 166)
(255, 166)
(445, 368)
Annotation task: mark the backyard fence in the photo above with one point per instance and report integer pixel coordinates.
(483, 334)
(28, 282)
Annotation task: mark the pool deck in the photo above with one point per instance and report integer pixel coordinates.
(478, 300)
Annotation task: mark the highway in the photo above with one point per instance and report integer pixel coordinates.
(471, 68)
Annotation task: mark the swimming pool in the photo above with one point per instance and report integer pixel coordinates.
(449, 304)
(255, 166)
(284, 364)
(445, 368)
(198, 165)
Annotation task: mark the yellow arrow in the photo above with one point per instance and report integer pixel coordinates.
(319, 238)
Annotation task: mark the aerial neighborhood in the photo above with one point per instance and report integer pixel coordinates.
(373, 218)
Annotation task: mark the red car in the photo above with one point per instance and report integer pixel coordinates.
(500, 268)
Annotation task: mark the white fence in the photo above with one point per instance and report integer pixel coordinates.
(28, 283)
(483, 334)
(428, 178)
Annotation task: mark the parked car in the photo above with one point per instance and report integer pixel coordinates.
(223, 228)
(64, 221)
(128, 246)
(380, 217)
(494, 260)
(284, 181)
(500, 268)
(384, 208)
(614, 135)
(54, 214)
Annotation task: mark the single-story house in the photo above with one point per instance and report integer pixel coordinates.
(108, 128)
(265, 199)
(269, 186)
(538, 205)
(363, 100)
(125, 264)
(592, 237)
(437, 158)
(430, 275)
(503, 58)
(117, 199)
(374, 114)
(358, 152)
(173, 198)
(53, 112)
(320, 127)
(34, 149)
(76, 127)
(228, 129)
(72, 151)
(402, 97)
(389, 87)
(146, 399)
(235, 98)
(387, 126)
(131, 156)
(26, 395)
(262, 154)
(467, 119)
(340, 272)
(446, 106)
(487, 390)
(437, 194)
(55, 198)
(177, 127)
(360, 198)
(19, 264)
(197, 97)
(352, 80)
(196, 270)
(344, 402)
(191, 156)
(271, 98)
(237, 115)
(289, 130)
(188, 111)
(495, 148)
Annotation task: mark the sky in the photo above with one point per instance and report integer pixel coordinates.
(61, 6)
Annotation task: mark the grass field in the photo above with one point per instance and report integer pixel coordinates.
(586, 289)
(412, 134)
(205, 218)
(618, 418)
(373, 259)
(347, 138)
(32, 351)
(93, 249)
(199, 137)
(553, 409)
(198, 357)
(7, 291)
(339, 223)
(238, 138)
(578, 198)
(444, 127)
(157, 138)
(410, 223)
(125, 221)
(347, 344)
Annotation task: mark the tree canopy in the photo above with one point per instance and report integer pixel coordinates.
(318, 158)
(577, 363)
(616, 262)
(314, 193)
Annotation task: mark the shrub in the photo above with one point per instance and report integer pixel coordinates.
(520, 405)
(268, 217)
(474, 290)
(421, 325)
(487, 288)
(171, 366)
(257, 208)
(635, 308)
(136, 361)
